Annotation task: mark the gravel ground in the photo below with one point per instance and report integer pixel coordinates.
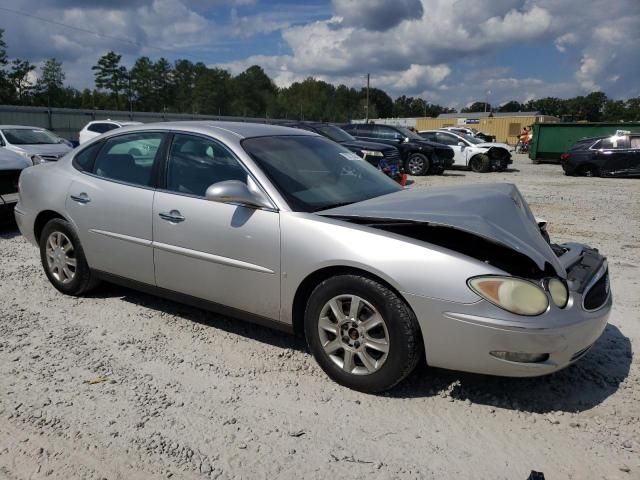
(122, 385)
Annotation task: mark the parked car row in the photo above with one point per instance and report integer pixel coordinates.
(288, 228)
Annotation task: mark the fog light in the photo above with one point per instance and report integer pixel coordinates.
(520, 357)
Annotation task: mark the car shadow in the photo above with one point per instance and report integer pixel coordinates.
(510, 170)
(581, 386)
(207, 318)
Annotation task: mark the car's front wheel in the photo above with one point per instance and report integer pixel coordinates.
(63, 259)
(480, 163)
(361, 333)
(418, 164)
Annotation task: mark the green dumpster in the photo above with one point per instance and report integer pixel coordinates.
(550, 140)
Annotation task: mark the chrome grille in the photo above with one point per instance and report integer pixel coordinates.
(392, 156)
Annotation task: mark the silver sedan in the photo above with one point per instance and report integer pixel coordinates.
(283, 227)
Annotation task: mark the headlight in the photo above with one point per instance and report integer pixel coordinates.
(512, 294)
(559, 292)
(37, 159)
(371, 153)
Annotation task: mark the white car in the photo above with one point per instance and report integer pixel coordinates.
(471, 152)
(98, 127)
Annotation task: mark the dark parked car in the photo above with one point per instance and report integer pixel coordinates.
(380, 155)
(613, 156)
(11, 164)
(420, 156)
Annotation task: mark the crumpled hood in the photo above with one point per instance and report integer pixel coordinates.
(12, 161)
(494, 144)
(496, 212)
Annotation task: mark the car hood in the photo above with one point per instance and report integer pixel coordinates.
(496, 212)
(57, 149)
(12, 161)
(494, 144)
(380, 147)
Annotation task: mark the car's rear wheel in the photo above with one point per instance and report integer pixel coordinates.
(63, 259)
(418, 164)
(480, 163)
(361, 333)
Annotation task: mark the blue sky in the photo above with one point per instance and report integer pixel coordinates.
(451, 52)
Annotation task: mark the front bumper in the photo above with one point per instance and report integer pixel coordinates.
(461, 336)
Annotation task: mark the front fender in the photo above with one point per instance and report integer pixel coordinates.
(310, 243)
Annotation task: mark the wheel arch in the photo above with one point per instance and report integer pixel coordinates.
(311, 281)
(42, 219)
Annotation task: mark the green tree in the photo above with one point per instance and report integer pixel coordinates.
(252, 93)
(511, 106)
(111, 76)
(19, 78)
(6, 92)
(477, 107)
(184, 78)
(211, 91)
(142, 86)
(50, 86)
(162, 84)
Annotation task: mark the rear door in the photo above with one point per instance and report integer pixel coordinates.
(618, 156)
(111, 204)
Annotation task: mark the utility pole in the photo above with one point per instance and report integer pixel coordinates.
(367, 108)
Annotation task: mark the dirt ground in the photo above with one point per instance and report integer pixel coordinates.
(122, 385)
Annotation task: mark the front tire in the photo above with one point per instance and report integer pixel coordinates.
(418, 164)
(361, 333)
(480, 163)
(63, 259)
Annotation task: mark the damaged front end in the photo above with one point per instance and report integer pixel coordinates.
(500, 158)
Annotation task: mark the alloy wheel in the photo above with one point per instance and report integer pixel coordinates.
(415, 165)
(353, 334)
(61, 259)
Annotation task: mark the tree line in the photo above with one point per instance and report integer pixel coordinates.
(183, 86)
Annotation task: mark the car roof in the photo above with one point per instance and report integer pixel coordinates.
(237, 130)
(120, 122)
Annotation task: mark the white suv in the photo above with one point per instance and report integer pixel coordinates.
(98, 127)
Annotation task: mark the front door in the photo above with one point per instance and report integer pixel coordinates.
(111, 205)
(223, 253)
(460, 152)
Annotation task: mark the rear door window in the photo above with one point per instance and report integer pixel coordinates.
(98, 127)
(129, 158)
(387, 133)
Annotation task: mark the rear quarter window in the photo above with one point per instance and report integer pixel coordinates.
(83, 160)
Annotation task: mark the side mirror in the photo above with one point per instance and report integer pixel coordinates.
(462, 144)
(235, 191)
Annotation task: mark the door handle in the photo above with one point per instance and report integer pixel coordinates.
(80, 198)
(172, 216)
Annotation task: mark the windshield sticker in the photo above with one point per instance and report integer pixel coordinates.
(350, 156)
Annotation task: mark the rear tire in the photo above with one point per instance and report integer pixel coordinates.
(349, 342)
(417, 164)
(63, 259)
(480, 163)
